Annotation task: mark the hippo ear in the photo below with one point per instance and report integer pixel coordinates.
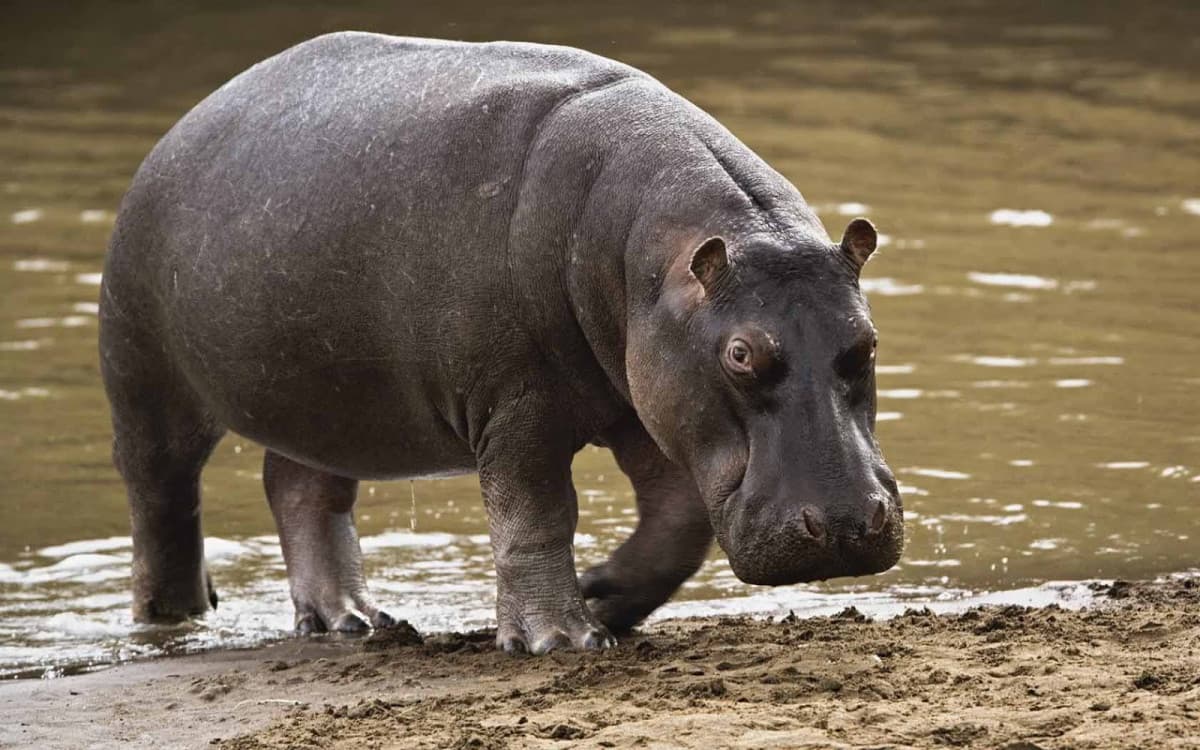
(858, 241)
(710, 262)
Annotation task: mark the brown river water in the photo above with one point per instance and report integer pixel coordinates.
(1034, 167)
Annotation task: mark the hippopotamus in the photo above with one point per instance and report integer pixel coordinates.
(386, 258)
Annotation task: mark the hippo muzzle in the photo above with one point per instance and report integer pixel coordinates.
(773, 541)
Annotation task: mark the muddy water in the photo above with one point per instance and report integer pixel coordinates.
(1034, 171)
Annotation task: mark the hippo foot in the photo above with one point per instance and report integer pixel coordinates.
(620, 604)
(165, 611)
(311, 620)
(170, 603)
(541, 634)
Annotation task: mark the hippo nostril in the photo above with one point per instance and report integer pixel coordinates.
(812, 522)
(877, 513)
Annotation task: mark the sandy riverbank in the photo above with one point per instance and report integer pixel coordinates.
(1125, 673)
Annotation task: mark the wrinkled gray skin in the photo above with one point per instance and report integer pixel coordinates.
(385, 258)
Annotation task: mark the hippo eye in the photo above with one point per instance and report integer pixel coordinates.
(856, 362)
(740, 357)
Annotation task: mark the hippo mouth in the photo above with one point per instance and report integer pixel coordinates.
(749, 567)
(781, 548)
(718, 508)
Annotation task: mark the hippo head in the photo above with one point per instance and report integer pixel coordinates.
(754, 368)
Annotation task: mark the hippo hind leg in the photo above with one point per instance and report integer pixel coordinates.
(670, 543)
(314, 515)
(162, 436)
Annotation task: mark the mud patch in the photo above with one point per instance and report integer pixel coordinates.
(1125, 674)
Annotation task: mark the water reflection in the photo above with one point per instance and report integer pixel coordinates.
(26, 216)
(1034, 183)
(1015, 218)
(889, 287)
(1021, 281)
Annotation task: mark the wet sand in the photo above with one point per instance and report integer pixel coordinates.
(1124, 673)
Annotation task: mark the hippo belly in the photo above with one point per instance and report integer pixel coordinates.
(353, 421)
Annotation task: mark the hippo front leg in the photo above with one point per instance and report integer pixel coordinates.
(532, 512)
(669, 545)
